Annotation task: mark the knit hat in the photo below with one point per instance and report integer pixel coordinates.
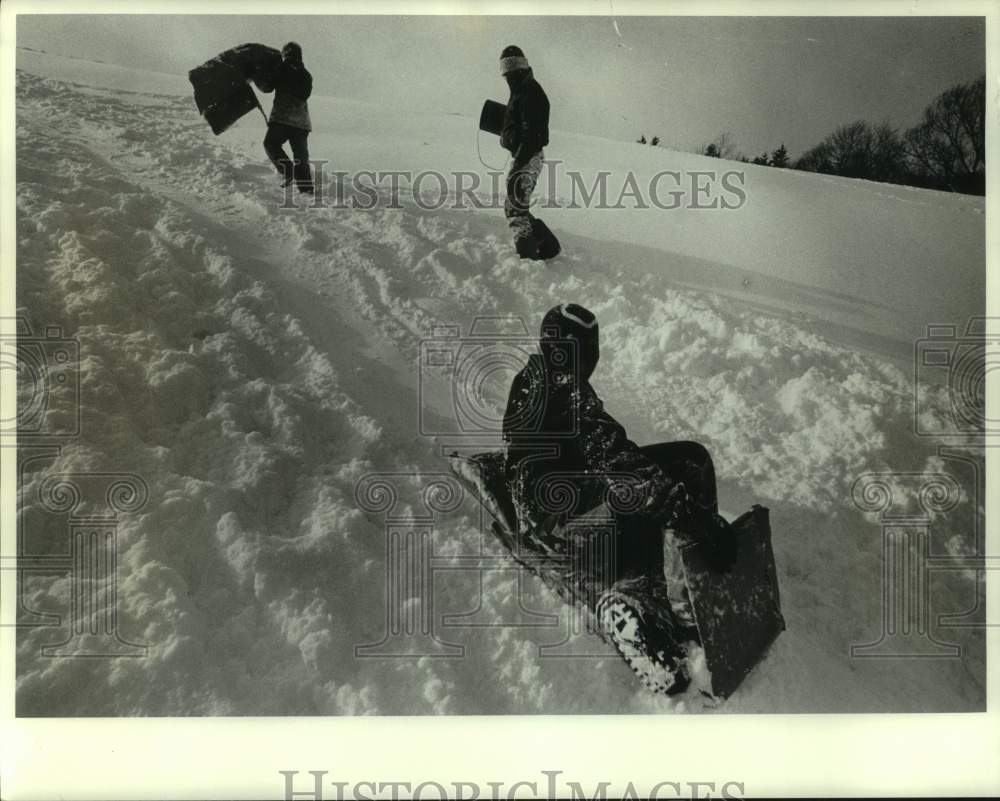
(512, 58)
(570, 321)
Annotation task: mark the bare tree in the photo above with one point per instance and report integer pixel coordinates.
(722, 147)
(950, 143)
(887, 154)
(850, 149)
(858, 150)
(816, 159)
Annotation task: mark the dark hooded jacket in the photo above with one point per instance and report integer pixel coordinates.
(292, 87)
(558, 438)
(526, 121)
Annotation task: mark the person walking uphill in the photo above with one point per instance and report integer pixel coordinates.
(525, 132)
(289, 120)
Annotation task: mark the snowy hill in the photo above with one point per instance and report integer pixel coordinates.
(253, 363)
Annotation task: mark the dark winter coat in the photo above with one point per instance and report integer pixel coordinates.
(526, 121)
(550, 410)
(292, 87)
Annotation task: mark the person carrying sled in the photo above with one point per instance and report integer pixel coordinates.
(525, 132)
(289, 120)
(557, 434)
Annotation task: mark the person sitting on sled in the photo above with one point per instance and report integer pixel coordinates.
(525, 132)
(566, 457)
(556, 429)
(289, 120)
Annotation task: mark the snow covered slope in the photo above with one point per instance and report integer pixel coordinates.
(253, 363)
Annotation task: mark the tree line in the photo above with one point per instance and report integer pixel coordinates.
(945, 150)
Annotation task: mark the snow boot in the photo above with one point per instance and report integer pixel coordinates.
(527, 247)
(655, 650)
(548, 245)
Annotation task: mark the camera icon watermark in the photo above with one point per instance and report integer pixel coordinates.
(578, 561)
(411, 624)
(45, 368)
(951, 368)
(908, 506)
(477, 371)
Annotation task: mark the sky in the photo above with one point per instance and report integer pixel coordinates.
(764, 80)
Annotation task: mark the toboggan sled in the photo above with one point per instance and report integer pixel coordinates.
(737, 613)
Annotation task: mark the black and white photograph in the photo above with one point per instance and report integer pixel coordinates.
(613, 360)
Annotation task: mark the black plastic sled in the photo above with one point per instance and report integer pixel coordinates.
(221, 115)
(221, 89)
(736, 614)
(491, 117)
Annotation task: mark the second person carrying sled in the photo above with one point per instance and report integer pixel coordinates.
(525, 133)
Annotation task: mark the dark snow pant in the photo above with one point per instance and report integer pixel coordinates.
(635, 546)
(683, 461)
(691, 463)
(277, 134)
(521, 181)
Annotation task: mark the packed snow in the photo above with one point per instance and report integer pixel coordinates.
(254, 363)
